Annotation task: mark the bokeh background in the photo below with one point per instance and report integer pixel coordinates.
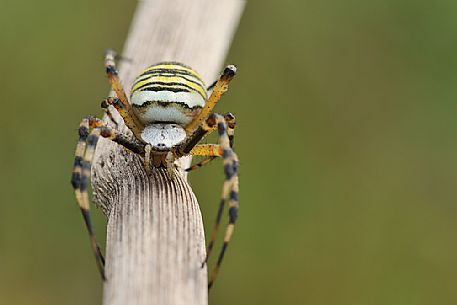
(347, 135)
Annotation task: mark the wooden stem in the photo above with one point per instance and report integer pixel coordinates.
(155, 239)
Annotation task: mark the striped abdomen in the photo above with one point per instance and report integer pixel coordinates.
(168, 92)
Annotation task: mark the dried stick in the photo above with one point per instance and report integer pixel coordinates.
(155, 238)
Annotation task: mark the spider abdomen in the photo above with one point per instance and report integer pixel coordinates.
(168, 92)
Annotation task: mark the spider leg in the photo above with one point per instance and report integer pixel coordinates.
(213, 151)
(200, 164)
(121, 103)
(220, 87)
(147, 158)
(115, 136)
(106, 104)
(229, 192)
(80, 180)
(84, 154)
(210, 87)
(230, 187)
(231, 123)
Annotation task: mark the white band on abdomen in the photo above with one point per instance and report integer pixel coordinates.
(191, 99)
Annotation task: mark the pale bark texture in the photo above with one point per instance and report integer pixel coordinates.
(155, 237)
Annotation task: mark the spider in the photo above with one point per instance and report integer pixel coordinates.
(169, 113)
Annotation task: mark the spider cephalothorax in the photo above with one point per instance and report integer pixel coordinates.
(169, 113)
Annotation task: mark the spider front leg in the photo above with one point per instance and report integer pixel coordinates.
(85, 150)
(220, 87)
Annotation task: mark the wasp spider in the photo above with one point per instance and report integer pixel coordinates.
(169, 113)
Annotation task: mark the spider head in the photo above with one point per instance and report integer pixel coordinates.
(168, 92)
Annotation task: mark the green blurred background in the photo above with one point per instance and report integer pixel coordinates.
(347, 117)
